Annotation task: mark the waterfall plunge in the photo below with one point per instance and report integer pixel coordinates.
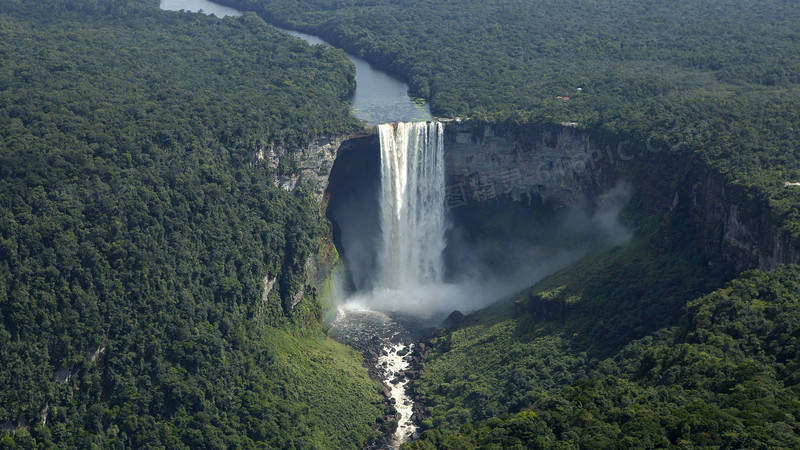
(412, 204)
(410, 264)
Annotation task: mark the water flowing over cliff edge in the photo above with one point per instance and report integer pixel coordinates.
(412, 204)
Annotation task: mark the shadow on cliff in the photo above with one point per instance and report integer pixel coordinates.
(495, 251)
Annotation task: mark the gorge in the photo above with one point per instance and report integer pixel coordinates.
(217, 235)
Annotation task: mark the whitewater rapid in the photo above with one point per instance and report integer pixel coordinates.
(388, 349)
(394, 362)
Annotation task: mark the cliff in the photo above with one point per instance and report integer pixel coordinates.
(486, 162)
(314, 162)
(563, 164)
(736, 221)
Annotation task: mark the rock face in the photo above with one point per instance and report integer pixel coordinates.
(484, 162)
(312, 163)
(736, 221)
(561, 165)
(545, 309)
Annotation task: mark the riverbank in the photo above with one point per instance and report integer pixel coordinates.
(378, 97)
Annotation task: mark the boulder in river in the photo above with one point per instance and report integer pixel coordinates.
(390, 425)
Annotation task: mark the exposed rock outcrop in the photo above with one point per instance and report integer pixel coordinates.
(545, 309)
(312, 163)
(562, 165)
(736, 221)
(486, 162)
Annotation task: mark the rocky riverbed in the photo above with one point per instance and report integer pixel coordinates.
(392, 357)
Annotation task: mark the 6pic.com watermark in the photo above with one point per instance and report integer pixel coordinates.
(486, 186)
(485, 189)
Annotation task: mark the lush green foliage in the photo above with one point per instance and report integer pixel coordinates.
(719, 80)
(727, 377)
(560, 330)
(512, 58)
(137, 229)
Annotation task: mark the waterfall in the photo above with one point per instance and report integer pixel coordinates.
(412, 204)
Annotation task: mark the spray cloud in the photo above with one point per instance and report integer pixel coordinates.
(418, 261)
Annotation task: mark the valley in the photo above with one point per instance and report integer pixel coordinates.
(456, 225)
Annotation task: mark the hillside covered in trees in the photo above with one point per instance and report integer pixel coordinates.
(138, 230)
(726, 376)
(628, 361)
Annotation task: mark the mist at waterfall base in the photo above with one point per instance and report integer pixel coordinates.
(405, 253)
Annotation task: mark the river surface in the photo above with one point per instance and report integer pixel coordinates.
(379, 97)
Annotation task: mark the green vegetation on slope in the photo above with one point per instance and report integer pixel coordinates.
(727, 377)
(506, 357)
(592, 357)
(137, 229)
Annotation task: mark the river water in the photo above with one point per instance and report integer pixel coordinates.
(388, 347)
(379, 97)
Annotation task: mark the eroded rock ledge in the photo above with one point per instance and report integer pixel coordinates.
(313, 163)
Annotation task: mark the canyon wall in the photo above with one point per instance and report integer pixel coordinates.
(325, 165)
(736, 221)
(313, 163)
(557, 165)
(561, 165)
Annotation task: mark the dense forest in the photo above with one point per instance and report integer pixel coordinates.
(726, 376)
(628, 347)
(138, 232)
(153, 287)
(511, 59)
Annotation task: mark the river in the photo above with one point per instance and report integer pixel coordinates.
(378, 98)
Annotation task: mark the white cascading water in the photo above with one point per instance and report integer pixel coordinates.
(412, 204)
(412, 208)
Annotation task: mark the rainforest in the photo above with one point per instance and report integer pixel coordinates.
(399, 224)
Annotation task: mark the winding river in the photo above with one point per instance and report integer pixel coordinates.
(379, 97)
